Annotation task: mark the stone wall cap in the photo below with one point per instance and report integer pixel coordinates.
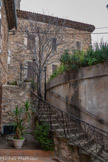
(83, 73)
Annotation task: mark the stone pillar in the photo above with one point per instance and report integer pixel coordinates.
(4, 47)
(65, 152)
(70, 153)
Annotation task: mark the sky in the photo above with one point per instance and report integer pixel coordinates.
(88, 11)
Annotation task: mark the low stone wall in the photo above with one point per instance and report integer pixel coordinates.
(86, 89)
(11, 97)
(65, 152)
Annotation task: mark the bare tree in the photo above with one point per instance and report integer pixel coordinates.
(46, 43)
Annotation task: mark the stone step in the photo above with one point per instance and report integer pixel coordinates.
(46, 111)
(69, 125)
(85, 143)
(93, 151)
(54, 120)
(48, 116)
(72, 137)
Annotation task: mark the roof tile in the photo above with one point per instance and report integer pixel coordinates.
(54, 20)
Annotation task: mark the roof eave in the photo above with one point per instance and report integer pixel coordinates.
(11, 13)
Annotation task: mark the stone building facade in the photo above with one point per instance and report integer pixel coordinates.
(8, 22)
(15, 51)
(4, 47)
(75, 35)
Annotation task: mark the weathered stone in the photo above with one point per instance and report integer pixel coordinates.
(65, 153)
(13, 96)
(83, 94)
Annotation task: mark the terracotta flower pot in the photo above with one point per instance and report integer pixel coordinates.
(18, 143)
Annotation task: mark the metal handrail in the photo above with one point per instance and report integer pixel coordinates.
(91, 134)
(70, 115)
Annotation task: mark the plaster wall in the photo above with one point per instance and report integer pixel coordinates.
(83, 94)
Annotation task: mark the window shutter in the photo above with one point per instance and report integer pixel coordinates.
(31, 68)
(31, 42)
(54, 44)
(78, 45)
(54, 68)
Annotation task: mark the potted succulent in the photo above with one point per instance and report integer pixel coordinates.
(21, 117)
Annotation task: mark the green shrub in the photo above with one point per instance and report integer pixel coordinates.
(59, 71)
(43, 136)
(78, 59)
(14, 83)
(22, 118)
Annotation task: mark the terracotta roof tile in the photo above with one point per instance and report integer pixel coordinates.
(53, 20)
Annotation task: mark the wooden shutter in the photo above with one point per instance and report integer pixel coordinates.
(31, 42)
(31, 70)
(54, 68)
(54, 44)
(78, 45)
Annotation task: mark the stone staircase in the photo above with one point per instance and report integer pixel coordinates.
(89, 139)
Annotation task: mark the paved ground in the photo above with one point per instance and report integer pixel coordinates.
(7, 155)
(8, 144)
(29, 153)
(39, 159)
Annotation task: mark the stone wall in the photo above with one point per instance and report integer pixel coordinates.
(4, 46)
(11, 97)
(83, 94)
(70, 153)
(20, 53)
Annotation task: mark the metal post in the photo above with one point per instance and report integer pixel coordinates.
(45, 83)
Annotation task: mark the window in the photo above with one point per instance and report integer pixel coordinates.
(9, 56)
(54, 68)
(54, 44)
(25, 41)
(78, 45)
(31, 42)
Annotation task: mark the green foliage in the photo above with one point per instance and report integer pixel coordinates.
(43, 136)
(81, 58)
(21, 116)
(13, 83)
(59, 71)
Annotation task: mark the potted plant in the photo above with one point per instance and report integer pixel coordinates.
(22, 117)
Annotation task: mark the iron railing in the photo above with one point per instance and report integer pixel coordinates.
(79, 133)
